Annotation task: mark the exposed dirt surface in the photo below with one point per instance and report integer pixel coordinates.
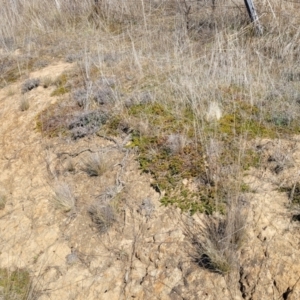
(146, 252)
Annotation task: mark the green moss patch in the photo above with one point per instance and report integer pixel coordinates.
(250, 122)
(244, 119)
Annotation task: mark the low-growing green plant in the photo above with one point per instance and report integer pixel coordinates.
(245, 188)
(171, 152)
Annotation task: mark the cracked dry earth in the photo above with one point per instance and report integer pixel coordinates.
(146, 254)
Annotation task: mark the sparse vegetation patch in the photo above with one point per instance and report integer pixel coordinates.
(169, 151)
(171, 155)
(81, 114)
(14, 285)
(54, 120)
(86, 123)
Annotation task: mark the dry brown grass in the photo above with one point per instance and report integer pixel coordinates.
(64, 198)
(216, 240)
(95, 164)
(24, 103)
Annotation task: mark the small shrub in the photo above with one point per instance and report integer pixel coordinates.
(94, 165)
(296, 217)
(30, 84)
(245, 188)
(86, 123)
(64, 198)
(101, 95)
(292, 76)
(281, 119)
(72, 258)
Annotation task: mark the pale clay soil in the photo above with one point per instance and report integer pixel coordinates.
(146, 254)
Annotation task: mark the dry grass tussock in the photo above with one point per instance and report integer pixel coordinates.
(64, 198)
(104, 211)
(95, 164)
(216, 240)
(212, 86)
